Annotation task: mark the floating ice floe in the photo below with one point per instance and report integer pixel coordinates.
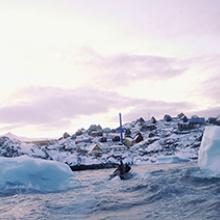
(34, 174)
(209, 152)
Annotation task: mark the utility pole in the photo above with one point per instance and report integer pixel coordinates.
(121, 128)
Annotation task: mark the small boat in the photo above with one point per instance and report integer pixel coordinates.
(121, 171)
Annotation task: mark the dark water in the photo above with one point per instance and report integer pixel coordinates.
(152, 192)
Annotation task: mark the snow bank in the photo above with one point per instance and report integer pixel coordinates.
(209, 152)
(34, 174)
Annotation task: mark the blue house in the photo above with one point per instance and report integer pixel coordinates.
(197, 120)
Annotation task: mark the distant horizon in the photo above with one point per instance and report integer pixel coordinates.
(68, 64)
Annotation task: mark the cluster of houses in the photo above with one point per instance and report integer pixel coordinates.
(141, 138)
(195, 121)
(97, 141)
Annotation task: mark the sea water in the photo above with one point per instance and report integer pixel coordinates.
(168, 191)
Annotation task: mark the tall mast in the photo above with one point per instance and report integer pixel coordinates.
(121, 128)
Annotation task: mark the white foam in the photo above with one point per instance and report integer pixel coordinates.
(171, 159)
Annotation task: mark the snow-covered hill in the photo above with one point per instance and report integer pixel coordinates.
(168, 140)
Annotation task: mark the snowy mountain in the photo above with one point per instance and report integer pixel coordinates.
(23, 139)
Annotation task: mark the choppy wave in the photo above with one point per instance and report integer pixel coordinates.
(158, 192)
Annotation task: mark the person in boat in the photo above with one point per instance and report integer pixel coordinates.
(121, 170)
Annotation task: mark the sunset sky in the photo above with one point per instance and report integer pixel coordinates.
(66, 64)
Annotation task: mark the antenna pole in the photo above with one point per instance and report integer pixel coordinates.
(121, 128)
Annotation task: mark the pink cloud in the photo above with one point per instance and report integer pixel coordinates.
(125, 68)
(51, 107)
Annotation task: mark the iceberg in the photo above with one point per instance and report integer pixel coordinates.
(34, 174)
(209, 151)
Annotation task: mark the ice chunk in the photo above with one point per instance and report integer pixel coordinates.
(36, 174)
(209, 152)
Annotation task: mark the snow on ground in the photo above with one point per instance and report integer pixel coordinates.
(145, 142)
(35, 174)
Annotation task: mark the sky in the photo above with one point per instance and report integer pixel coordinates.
(66, 64)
